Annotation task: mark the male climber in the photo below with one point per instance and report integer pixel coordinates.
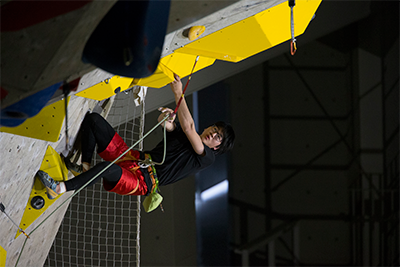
(187, 152)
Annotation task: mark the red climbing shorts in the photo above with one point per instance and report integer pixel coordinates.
(132, 179)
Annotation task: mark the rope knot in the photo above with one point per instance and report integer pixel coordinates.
(145, 163)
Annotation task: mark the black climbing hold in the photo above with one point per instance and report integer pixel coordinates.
(37, 202)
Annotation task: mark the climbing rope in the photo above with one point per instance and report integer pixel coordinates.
(167, 116)
(293, 47)
(147, 162)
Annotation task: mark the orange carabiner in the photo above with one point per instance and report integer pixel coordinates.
(293, 47)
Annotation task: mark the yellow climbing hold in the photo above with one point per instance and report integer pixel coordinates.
(195, 32)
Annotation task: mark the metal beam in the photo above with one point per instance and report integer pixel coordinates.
(267, 237)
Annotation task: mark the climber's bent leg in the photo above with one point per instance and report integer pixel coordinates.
(111, 175)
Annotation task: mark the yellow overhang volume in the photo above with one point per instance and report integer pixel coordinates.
(181, 64)
(254, 34)
(107, 88)
(233, 43)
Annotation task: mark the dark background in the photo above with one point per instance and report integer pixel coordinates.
(313, 177)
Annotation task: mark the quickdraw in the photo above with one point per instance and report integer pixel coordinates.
(293, 47)
(187, 83)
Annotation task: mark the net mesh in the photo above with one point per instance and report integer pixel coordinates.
(102, 228)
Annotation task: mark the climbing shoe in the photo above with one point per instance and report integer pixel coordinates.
(49, 183)
(76, 169)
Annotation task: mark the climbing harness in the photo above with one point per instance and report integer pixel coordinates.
(154, 199)
(293, 47)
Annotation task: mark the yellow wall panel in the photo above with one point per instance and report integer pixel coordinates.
(158, 79)
(107, 88)
(46, 125)
(55, 167)
(3, 256)
(181, 64)
(254, 34)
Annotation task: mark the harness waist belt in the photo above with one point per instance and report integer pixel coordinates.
(153, 175)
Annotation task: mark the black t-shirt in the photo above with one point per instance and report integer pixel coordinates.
(181, 160)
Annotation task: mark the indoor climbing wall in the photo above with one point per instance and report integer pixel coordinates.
(24, 148)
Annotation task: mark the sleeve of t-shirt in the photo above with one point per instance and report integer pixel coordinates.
(208, 158)
(177, 131)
